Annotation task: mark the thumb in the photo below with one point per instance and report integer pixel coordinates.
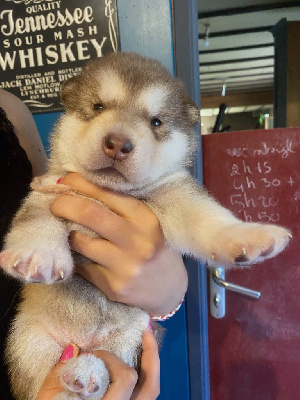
(51, 385)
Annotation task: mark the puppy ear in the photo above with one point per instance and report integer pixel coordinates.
(69, 92)
(194, 112)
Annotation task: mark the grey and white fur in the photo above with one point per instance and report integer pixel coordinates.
(129, 126)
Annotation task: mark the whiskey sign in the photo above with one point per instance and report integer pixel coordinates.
(45, 42)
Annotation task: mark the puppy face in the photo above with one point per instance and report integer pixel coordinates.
(128, 123)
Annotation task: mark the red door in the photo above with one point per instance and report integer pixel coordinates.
(255, 347)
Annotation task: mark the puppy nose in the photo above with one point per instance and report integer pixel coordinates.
(117, 146)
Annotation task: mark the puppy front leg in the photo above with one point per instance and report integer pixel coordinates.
(196, 224)
(36, 247)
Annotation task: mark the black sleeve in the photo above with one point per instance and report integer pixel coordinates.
(15, 177)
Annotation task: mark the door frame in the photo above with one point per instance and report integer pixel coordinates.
(185, 39)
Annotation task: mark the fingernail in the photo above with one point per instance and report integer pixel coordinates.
(59, 180)
(241, 259)
(68, 353)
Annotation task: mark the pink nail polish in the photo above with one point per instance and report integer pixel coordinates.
(68, 353)
(150, 326)
(59, 180)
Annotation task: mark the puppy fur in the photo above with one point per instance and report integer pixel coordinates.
(128, 99)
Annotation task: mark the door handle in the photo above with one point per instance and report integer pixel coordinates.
(218, 284)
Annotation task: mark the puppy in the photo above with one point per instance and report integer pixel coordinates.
(129, 127)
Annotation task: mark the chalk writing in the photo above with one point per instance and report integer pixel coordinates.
(262, 168)
(252, 198)
(284, 150)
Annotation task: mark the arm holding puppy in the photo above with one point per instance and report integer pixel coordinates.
(125, 384)
(133, 264)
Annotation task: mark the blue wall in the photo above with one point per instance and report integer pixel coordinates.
(45, 123)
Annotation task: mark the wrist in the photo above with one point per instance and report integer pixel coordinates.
(165, 317)
(169, 296)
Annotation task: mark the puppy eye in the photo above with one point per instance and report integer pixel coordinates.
(98, 107)
(155, 122)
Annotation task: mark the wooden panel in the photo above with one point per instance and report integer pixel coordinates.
(238, 100)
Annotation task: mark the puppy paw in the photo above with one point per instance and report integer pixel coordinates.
(85, 375)
(244, 244)
(37, 265)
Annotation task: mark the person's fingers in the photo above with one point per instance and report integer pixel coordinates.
(117, 287)
(95, 216)
(120, 203)
(133, 249)
(98, 250)
(123, 378)
(97, 274)
(148, 386)
(108, 282)
(51, 385)
(155, 284)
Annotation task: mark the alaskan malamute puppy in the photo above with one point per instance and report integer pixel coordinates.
(129, 126)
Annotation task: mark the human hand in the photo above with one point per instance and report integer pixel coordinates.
(125, 383)
(132, 263)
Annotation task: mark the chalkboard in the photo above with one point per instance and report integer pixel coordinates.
(256, 174)
(255, 348)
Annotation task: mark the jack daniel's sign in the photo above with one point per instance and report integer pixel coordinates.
(45, 42)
